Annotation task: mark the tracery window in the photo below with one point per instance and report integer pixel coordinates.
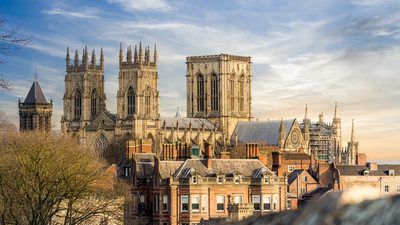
(200, 93)
(131, 101)
(241, 93)
(78, 105)
(101, 144)
(93, 104)
(232, 92)
(214, 93)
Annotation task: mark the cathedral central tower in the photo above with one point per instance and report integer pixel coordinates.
(219, 89)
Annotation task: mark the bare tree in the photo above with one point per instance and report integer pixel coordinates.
(47, 179)
(6, 125)
(11, 40)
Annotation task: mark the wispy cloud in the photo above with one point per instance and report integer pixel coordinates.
(143, 5)
(89, 13)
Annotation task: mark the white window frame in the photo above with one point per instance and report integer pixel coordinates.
(291, 168)
(186, 198)
(275, 203)
(193, 201)
(236, 197)
(165, 203)
(256, 199)
(265, 199)
(303, 190)
(219, 202)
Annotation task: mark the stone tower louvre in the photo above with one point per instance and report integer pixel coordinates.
(219, 89)
(138, 94)
(35, 112)
(84, 96)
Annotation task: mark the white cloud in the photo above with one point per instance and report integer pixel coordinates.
(143, 5)
(87, 14)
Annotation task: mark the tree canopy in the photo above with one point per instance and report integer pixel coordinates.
(47, 179)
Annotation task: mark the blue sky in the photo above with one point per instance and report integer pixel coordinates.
(303, 52)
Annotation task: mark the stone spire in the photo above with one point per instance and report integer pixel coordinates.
(140, 53)
(282, 135)
(146, 55)
(306, 113)
(336, 111)
(121, 55)
(93, 58)
(67, 59)
(76, 60)
(101, 59)
(135, 55)
(353, 139)
(155, 56)
(129, 55)
(85, 57)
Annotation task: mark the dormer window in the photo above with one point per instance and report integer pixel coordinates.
(237, 179)
(391, 172)
(366, 172)
(220, 180)
(194, 180)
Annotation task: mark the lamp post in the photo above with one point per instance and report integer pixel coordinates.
(380, 186)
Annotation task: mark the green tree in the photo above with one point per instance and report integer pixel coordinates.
(47, 179)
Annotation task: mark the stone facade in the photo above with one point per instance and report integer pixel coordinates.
(219, 89)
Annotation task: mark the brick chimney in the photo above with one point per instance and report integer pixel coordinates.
(208, 151)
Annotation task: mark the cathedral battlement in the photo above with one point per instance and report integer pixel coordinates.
(84, 64)
(221, 56)
(138, 60)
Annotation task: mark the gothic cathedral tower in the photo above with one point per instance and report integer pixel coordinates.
(35, 112)
(138, 94)
(84, 96)
(219, 89)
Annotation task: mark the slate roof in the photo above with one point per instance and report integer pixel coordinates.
(293, 175)
(35, 94)
(317, 193)
(169, 168)
(144, 165)
(244, 167)
(266, 132)
(355, 170)
(183, 122)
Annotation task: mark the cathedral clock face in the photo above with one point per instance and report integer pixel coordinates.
(295, 138)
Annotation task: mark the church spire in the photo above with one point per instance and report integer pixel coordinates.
(76, 60)
(306, 113)
(67, 59)
(336, 111)
(129, 55)
(85, 57)
(102, 59)
(282, 134)
(135, 57)
(155, 56)
(353, 139)
(121, 56)
(140, 53)
(93, 58)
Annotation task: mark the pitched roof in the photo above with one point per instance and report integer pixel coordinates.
(266, 132)
(169, 168)
(244, 167)
(183, 122)
(293, 175)
(35, 94)
(356, 170)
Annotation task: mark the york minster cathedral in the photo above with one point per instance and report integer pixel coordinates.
(219, 110)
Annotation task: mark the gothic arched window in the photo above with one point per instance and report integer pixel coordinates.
(214, 92)
(101, 145)
(232, 92)
(93, 104)
(200, 93)
(78, 105)
(147, 99)
(241, 93)
(131, 101)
